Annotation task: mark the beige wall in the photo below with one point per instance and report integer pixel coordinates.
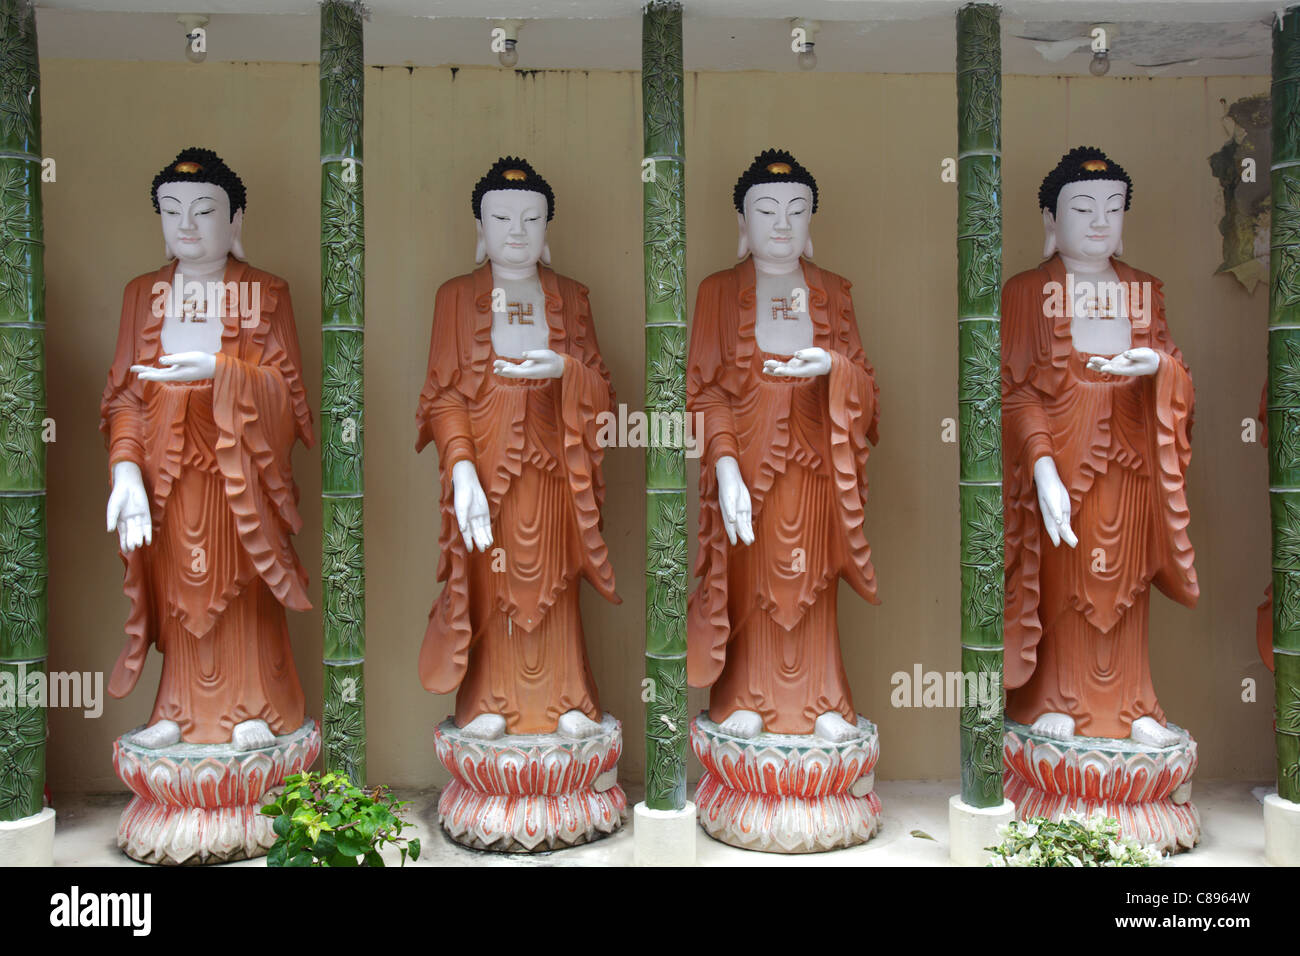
(875, 144)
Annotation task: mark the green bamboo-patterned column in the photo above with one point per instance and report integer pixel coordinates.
(343, 273)
(23, 561)
(1284, 398)
(665, 395)
(979, 392)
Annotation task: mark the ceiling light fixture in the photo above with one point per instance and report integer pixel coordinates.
(196, 36)
(505, 41)
(1101, 41)
(803, 33)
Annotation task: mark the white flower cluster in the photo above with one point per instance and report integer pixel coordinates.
(1074, 840)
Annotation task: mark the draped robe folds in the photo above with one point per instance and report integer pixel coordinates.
(761, 624)
(506, 630)
(211, 589)
(1076, 624)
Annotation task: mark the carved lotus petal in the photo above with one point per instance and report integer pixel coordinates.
(1127, 781)
(785, 793)
(529, 792)
(198, 803)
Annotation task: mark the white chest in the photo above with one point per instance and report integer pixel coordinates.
(192, 321)
(782, 321)
(519, 317)
(1100, 323)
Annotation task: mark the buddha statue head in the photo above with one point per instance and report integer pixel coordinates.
(512, 205)
(775, 199)
(201, 203)
(1083, 201)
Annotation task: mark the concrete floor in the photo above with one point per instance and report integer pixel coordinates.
(914, 832)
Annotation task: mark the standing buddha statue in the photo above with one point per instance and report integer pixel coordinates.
(1096, 416)
(513, 397)
(203, 406)
(788, 401)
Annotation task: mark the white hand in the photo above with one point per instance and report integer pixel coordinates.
(1142, 361)
(805, 363)
(1053, 502)
(128, 508)
(471, 506)
(537, 363)
(182, 367)
(733, 499)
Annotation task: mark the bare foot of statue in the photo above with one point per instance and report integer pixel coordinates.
(831, 726)
(742, 723)
(252, 735)
(1059, 726)
(159, 735)
(485, 727)
(577, 724)
(1149, 731)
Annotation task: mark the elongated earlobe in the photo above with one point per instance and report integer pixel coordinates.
(807, 248)
(1119, 250)
(546, 253)
(480, 247)
(742, 246)
(237, 241)
(1049, 234)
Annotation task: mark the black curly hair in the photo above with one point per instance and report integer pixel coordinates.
(1079, 165)
(198, 165)
(511, 172)
(772, 166)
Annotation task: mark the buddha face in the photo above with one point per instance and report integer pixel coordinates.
(776, 222)
(512, 227)
(196, 221)
(1089, 220)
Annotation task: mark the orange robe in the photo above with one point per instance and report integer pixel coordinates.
(1076, 624)
(761, 625)
(506, 628)
(211, 589)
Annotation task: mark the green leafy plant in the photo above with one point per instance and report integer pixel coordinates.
(1074, 840)
(324, 820)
